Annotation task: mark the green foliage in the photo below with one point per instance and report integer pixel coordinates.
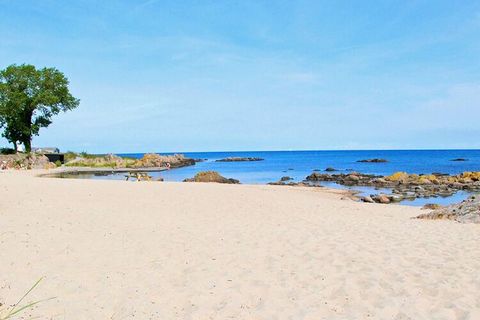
(69, 156)
(89, 164)
(58, 163)
(6, 151)
(28, 100)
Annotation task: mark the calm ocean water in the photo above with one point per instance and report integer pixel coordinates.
(299, 164)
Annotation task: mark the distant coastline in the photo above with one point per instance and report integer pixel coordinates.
(297, 165)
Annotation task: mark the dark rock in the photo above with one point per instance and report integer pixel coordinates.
(439, 174)
(329, 169)
(239, 159)
(459, 159)
(286, 178)
(375, 160)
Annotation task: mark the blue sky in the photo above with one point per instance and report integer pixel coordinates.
(255, 75)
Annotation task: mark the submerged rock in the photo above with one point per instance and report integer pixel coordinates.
(459, 159)
(211, 176)
(330, 169)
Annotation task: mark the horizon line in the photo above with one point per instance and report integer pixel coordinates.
(295, 150)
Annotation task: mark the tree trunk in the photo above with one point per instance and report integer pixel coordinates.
(15, 146)
(28, 145)
(27, 142)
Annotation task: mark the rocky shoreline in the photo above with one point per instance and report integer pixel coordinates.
(404, 185)
(467, 211)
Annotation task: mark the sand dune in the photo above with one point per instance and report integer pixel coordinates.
(120, 250)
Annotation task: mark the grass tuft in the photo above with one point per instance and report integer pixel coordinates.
(15, 309)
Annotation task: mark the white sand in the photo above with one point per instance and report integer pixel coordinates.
(151, 250)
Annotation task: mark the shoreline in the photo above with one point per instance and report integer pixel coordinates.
(420, 190)
(80, 170)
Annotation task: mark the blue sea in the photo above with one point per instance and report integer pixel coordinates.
(299, 164)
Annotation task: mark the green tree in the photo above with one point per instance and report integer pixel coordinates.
(28, 100)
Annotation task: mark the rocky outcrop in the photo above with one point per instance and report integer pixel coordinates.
(350, 179)
(330, 169)
(153, 160)
(467, 211)
(459, 159)
(406, 186)
(22, 161)
(149, 160)
(375, 160)
(211, 176)
(239, 159)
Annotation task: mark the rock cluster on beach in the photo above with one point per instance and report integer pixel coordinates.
(211, 176)
(288, 181)
(239, 159)
(467, 211)
(24, 161)
(404, 185)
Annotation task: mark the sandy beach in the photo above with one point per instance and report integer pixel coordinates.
(151, 250)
